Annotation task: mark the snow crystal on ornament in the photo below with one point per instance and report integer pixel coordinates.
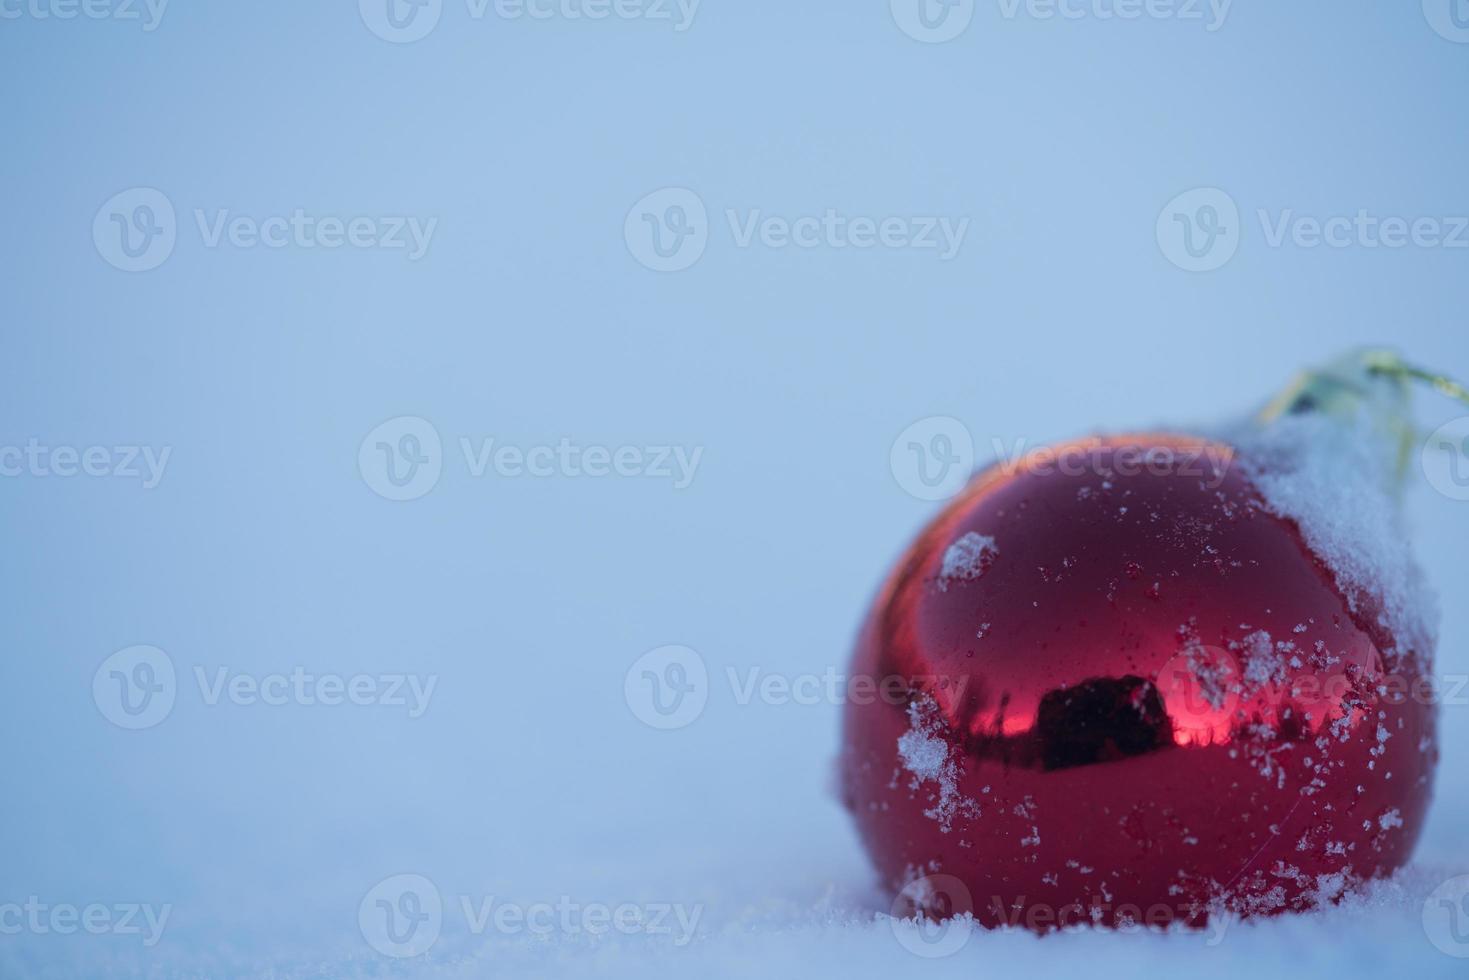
(967, 559)
(925, 754)
(1336, 478)
(1262, 664)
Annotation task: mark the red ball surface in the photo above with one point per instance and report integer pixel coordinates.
(1127, 692)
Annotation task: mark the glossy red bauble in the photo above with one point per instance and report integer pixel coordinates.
(1132, 694)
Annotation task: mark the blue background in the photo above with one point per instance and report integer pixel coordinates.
(530, 320)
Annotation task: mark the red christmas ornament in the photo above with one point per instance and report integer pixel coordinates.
(1149, 679)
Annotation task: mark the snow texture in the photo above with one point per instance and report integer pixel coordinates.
(826, 931)
(966, 559)
(1337, 478)
(532, 320)
(926, 755)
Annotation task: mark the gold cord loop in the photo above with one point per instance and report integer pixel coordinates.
(1386, 362)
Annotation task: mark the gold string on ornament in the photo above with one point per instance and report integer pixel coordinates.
(1388, 363)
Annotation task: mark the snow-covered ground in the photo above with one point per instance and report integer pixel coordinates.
(237, 395)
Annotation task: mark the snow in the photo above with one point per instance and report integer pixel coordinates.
(528, 779)
(1262, 665)
(966, 559)
(1338, 478)
(842, 933)
(926, 755)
